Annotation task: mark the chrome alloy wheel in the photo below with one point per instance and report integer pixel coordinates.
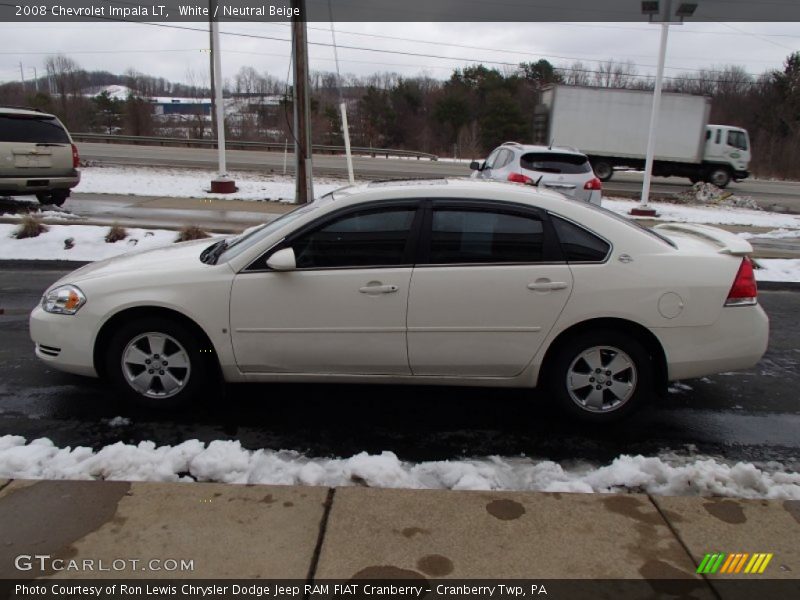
(601, 379)
(156, 365)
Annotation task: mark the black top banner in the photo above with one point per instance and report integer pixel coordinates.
(401, 10)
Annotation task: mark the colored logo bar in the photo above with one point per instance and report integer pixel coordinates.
(738, 562)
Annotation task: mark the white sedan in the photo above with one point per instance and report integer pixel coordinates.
(441, 282)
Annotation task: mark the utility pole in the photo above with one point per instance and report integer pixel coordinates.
(212, 6)
(22, 75)
(304, 186)
(222, 184)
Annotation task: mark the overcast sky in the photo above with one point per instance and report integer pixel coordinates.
(175, 53)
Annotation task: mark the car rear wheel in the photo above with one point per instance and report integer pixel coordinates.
(56, 197)
(601, 376)
(157, 363)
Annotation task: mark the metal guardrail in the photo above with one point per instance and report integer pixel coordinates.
(241, 145)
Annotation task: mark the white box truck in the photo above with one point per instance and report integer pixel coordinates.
(611, 127)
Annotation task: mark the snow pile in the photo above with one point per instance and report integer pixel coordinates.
(88, 242)
(228, 462)
(193, 183)
(708, 193)
(709, 215)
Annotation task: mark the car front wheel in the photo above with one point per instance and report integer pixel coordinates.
(601, 376)
(157, 363)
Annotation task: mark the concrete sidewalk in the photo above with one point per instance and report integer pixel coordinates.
(316, 533)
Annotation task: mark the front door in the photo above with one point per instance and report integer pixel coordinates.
(342, 311)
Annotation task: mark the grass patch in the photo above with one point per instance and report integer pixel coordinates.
(191, 232)
(116, 233)
(30, 227)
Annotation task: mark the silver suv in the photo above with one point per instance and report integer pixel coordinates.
(562, 170)
(37, 156)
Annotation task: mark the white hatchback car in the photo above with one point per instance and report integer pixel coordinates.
(442, 282)
(563, 170)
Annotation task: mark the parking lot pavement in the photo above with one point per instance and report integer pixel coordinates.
(356, 533)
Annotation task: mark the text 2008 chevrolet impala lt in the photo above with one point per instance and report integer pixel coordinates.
(440, 282)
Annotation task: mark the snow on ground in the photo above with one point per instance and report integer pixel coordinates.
(778, 269)
(712, 215)
(193, 183)
(89, 242)
(228, 462)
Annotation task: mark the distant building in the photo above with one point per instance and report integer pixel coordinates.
(164, 105)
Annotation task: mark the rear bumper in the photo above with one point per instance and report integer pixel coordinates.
(32, 185)
(736, 341)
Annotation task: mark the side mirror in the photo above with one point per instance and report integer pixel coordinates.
(282, 260)
(476, 166)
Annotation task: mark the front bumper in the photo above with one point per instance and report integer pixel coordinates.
(65, 342)
(736, 341)
(741, 174)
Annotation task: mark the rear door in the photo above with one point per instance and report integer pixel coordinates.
(34, 146)
(488, 287)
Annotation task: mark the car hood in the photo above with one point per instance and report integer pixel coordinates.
(158, 261)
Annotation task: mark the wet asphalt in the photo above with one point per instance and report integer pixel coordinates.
(751, 416)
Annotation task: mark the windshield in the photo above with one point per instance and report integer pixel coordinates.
(249, 237)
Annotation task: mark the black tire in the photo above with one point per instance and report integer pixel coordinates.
(719, 176)
(183, 344)
(56, 197)
(567, 365)
(603, 169)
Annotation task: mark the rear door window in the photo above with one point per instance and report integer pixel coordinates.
(554, 162)
(33, 130)
(465, 236)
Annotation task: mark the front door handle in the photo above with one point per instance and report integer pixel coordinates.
(547, 285)
(378, 288)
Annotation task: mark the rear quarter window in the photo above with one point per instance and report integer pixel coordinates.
(33, 130)
(578, 244)
(553, 162)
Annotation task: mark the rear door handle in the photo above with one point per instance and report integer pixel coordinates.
(547, 286)
(374, 289)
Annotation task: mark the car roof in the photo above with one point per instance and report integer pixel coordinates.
(456, 188)
(544, 149)
(28, 112)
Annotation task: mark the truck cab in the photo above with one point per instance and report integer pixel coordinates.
(730, 146)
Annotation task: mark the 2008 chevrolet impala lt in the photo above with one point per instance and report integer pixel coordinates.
(440, 282)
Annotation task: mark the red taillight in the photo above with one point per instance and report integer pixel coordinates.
(519, 178)
(743, 291)
(593, 184)
(76, 160)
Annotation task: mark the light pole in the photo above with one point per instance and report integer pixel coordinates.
(662, 10)
(222, 184)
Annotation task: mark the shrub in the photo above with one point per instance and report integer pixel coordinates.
(191, 232)
(116, 234)
(29, 227)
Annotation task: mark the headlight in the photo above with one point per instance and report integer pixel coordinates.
(63, 300)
